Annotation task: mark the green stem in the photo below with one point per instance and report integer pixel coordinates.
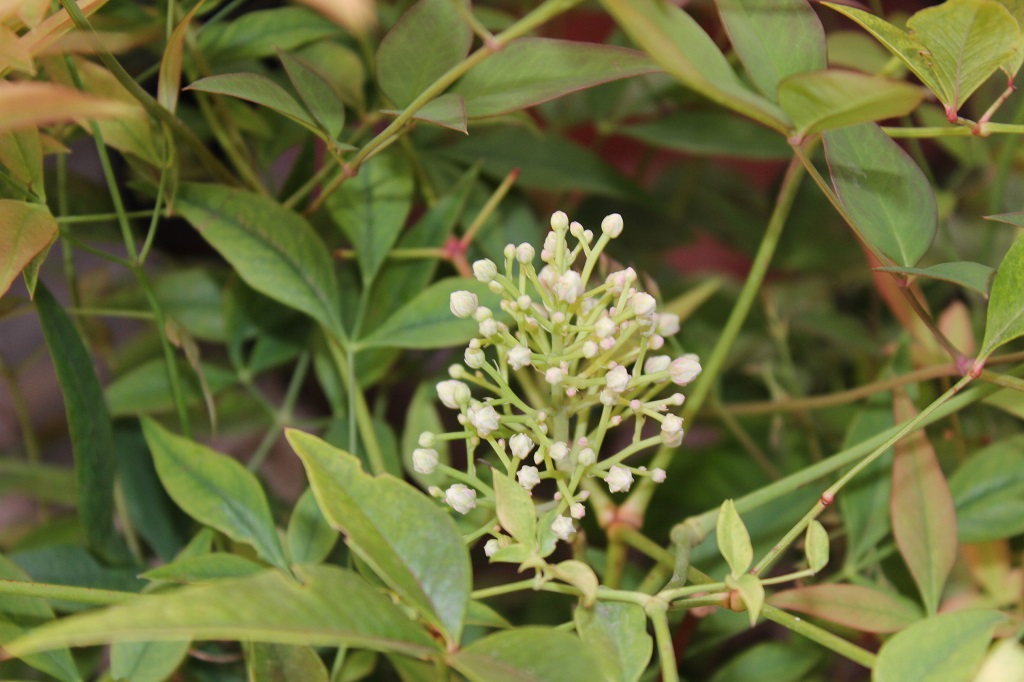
(357, 404)
(81, 595)
(666, 652)
(820, 636)
(100, 217)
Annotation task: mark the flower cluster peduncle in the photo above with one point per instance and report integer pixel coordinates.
(568, 357)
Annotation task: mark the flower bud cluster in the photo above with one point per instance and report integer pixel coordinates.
(567, 357)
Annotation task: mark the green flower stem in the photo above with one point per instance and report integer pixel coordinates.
(283, 416)
(641, 497)
(956, 131)
(100, 217)
(1003, 380)
(694, 602)
(498, 590)
(490, 206)
(359, 411)
(81, 595)
(615, 559)
(663, 638)
(539, 16)
(112, 312)
(678, 592)
(470, 480)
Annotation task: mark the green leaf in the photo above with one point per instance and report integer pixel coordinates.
(169, 80)
(988, 491)
(316, 93)
(733, 539)
(533, 654)
(22, 152)
(822, 100)
(146, 389)
(751, 592)
(754, 27)
(371, 209)
(1005, 319)
(447, 111)
(970, 275)
(427, 321)
(283, 662)
(252, 87)
(204, 568)
(516, 511)
(147, 661)
(923, 515)
(885, 194)
(19, 615)
(776, 661)
(529, 71)
(581, 576)
(28, 230)
(255, 35)
(480, 613)
(310, 537)
(45, 482)
(329, 607)
(680, 46)
(385, 521)
(92, 436)
(215, 490)
(430, 38)
(942, 648)
(864, 502)
(617, 634)
(1008, 218)
(710, 133)
(816, 546)
(274, 250)
(854, 606)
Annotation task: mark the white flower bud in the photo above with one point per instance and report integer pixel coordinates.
(587, 457)
(453, 394)
(528, 477)
(685, 369)
(494, 286)
(554, 376)
(519, 357)
(563, 528)
(608, 397)
(658, 475)
(491, 547)
(424, 460)
(482, 313)
(576, 230)
(463, 303)
(548, 276)
(589, 349)
(525, 253)
(559, 221)
(643, 304)
(521, 445)
(524, 302)
(619, 479)
(485, 270)
(672, 431)
(656, 342)
(577, 510)
(657, 363)
(461, 498)
(426, 440)
(668, 324)
(510, 251)
(604, 327)
(483, 418)
(569, 286)
(455, 371)
(558, 451)
(474, 357)
(488, 328)
(612, 225)
(617, 379)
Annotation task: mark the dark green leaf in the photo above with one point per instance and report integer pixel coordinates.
(974, 276)
(310, 537)
(284, 663)
(775, 661)
(864, 502)
(861, 608)
(533, 654)
(28, 230)
(329, 607)
(204, 568)
(529, 71)
(385, 521)
(64, 564)
(273, 249)
(316, 93)
(92, 436)
(710, 133)
(447, 111)
(146, 389)
(146, 661)
(617, 634)
(1005, 319)
(430, 38)
(942, 648)
(886, 195)
(988, 490)
(45, 482)
(194, 297)
(754, 27)
(215, 490)
(254, 35)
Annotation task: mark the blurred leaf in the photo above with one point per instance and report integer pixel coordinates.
(147, 661)
(1005, 661)
(255, 35)
(710, 133)
(886, 195)
(988, 490)
(132, 131)
(371, 209)
(310, 537)
(429, 39)
(22, 152)
(204, 568)
(28, 229)
(147, 390)
(169, 81)
(284, 662)
(775, 661)
(515, 510)
(330, 607)
(194, 297)
(342, 67)
(680, 46)
(974, 276)
(447, 111)
(316, 93)
(751, 592)
(864, 502)
(816, 546)
(385, 521)
(862, 608)
(1008, 218)
(92, 437)
(215, 490)
(856, 50)
(923, 515)
(44, 482)
(617, 634)
(19, 615)
(427, 322)
(1005, 319)
(480, 613)
(65, 564)
(422, 416)
(274, 250)
(529, 71)
(733, 539)
(27, 104)
(754, 27)
(942, 648)
(531, 653)
(822, 100)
